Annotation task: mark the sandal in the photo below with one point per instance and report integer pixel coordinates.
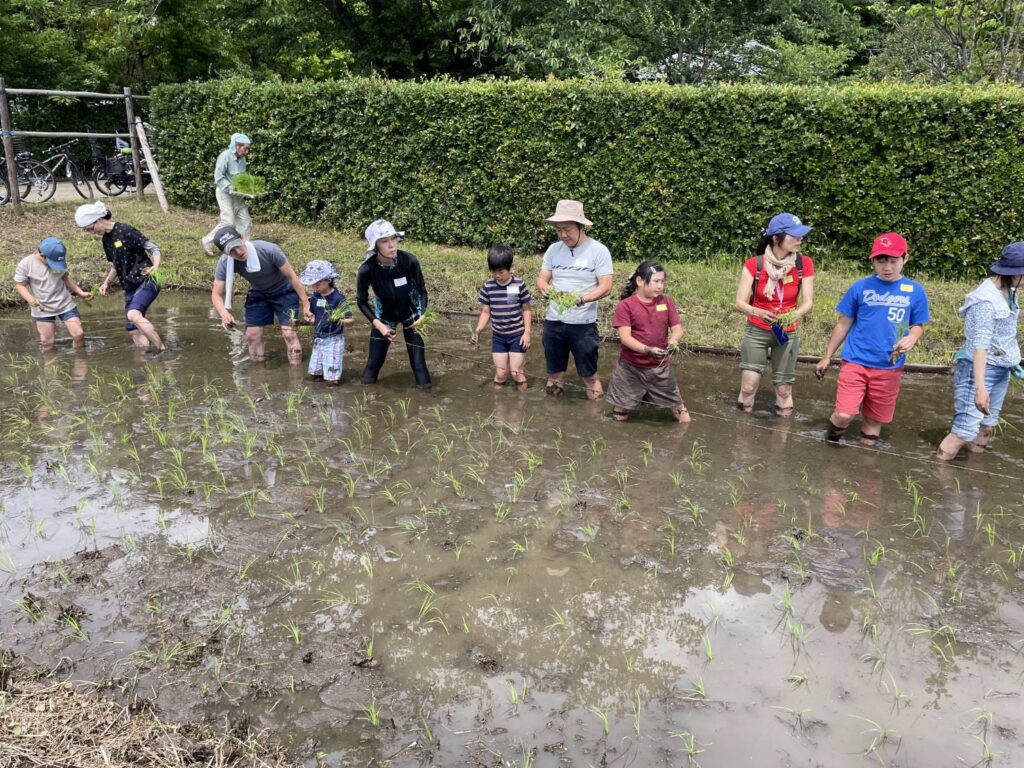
(868, 441)
(783, 411)
(745, 407)
(554, 389)
(620, 415)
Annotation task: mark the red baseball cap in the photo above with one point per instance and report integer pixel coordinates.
(889, 244)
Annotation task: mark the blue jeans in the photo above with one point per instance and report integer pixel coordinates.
(967, 419)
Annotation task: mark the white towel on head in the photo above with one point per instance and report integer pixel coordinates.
(229, 283)
(252, 259)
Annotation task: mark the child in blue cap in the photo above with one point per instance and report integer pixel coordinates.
(43, 281)
(327, 305)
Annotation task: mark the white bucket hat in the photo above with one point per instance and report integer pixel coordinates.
(378, 229)
(569, 210)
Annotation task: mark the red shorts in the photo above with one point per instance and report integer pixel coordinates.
(875, 389)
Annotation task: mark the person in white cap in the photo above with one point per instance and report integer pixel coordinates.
(43, 281)
(400, 298)
(274, 291)
(234, 212)
(134, 259)
(579, 265)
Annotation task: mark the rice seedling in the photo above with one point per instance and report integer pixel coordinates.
(371, 713)
(29, 607)
(709, 653)
(516, 548)
(797, 679)
(876, 657)
(689, 747)
(73, 624)
(557, 620)
(501, 511)
(881, 736)
(602, 716)
(561, 300)
(637, 709)
(293, 631)
(249, 185)
(676, 478)
(796, 714)
(425, 325)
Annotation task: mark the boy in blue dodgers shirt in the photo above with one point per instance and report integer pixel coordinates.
(505, 301)
(883, 317)
(325, 362)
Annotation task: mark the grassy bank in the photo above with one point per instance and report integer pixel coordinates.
(703, 290)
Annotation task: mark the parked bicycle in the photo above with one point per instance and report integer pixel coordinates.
(35, 182)
(58, 157)
(116, 173)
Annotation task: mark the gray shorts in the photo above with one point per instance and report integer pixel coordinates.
(631, 385)
(758, 347)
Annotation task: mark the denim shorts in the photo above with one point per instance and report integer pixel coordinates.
(63, 316)
(967, 419)
(261, 307)
(560, 339)
(501, 344)
(140, 299)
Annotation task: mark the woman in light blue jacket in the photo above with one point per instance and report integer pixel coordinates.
(989, 357)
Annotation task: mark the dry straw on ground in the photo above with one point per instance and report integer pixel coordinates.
(47, 724)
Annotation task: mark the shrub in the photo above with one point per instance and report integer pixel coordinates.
(664, 171)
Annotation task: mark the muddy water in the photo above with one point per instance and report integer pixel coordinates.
(471, 577)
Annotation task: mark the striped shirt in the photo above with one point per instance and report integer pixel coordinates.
(506, 305)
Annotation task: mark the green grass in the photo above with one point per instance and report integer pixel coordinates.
(703, 290)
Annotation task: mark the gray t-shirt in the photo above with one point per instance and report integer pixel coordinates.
(576, 271)
(46, 285)
(269, 278)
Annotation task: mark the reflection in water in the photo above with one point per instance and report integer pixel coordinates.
(513, 573)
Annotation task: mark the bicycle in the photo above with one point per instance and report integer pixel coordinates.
(35, 182)
(116, 174)
(58, 158)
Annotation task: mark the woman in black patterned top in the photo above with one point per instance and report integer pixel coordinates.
(132, 258)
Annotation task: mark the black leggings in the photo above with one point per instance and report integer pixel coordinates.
(379, 346)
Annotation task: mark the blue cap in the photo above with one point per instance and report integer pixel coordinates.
(788, 224)
(55, 253)
(1011, 260)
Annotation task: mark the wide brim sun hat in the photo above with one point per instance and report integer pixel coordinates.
(317, 270)
(567, 211)
(377, 230)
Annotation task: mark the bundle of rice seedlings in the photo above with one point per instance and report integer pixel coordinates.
(249, 185)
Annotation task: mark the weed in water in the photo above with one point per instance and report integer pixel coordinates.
(371, 713)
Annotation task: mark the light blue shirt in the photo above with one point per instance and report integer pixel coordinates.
(228, 166)
(990, 323)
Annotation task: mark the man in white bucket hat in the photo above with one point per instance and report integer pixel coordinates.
(580, 265)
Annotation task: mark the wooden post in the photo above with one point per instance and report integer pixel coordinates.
(154, 172)
(129, 108)
(12, 167)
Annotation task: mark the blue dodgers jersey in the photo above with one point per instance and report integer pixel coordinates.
(882, 313)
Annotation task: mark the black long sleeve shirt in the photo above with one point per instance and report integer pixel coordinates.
(400, 294)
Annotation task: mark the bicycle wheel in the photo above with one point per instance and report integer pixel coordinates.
(112, 184)
(78, 181)
(5, 190)
(36, 180)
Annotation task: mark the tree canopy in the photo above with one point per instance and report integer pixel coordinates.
(106, 44)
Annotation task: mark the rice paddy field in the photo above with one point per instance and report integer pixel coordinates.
(478, 577)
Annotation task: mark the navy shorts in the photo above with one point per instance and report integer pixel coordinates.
(560, 339)
(63, 316)
(500, 343)
(139, 299)
(262, 307)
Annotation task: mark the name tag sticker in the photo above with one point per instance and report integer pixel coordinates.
(663, 307)
(512, 291)
(322, 303)
(117, 243)
(580, 263)
(788, 279)
(907, 288)
(400, 281)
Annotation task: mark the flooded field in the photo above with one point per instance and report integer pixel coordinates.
(471, 577)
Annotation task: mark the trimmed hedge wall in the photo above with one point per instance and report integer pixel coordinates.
(667, 172)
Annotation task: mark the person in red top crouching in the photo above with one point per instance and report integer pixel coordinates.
(649, 330)
(771, 285)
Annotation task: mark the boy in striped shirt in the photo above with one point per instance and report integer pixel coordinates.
(505, 302)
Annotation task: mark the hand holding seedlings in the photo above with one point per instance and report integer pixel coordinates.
(385, 330)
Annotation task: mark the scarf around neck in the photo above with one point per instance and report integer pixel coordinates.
(776, 269)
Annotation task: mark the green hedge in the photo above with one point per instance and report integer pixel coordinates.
(670, 172)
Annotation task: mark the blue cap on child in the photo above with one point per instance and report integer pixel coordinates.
(55, 253)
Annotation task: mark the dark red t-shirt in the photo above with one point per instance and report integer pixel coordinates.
(785, 299)
(649, 324)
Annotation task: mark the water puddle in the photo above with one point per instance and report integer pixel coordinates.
(471, 577)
